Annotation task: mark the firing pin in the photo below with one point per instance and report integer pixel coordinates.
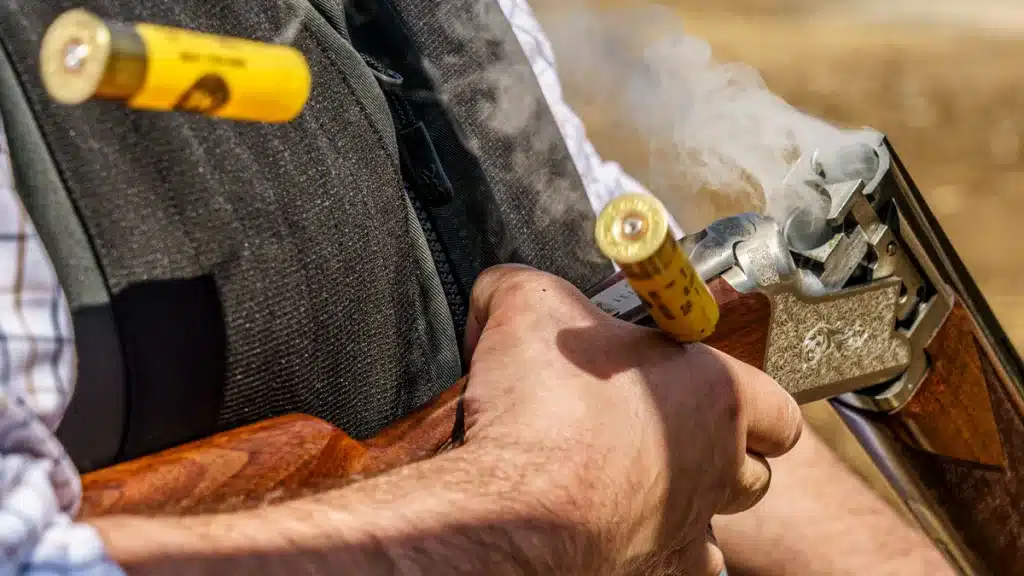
(148, 67)
(633, 232)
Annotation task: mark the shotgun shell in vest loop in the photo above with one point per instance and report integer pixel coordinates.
(633, 232)
(149, 67)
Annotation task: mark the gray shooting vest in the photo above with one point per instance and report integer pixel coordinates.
(221, 273)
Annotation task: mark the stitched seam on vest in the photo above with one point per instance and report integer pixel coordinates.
(331, 57)
(378, 134)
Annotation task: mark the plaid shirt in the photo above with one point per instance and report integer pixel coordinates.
(39, 486)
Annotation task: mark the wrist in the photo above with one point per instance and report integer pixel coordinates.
(562, 491)
(512, 510)
(197, 545)
(604, 495)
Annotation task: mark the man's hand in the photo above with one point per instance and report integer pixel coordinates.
(650, 438)
(592, 447)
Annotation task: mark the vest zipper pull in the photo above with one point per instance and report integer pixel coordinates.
(419, 158)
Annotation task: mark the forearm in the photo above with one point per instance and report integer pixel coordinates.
(467, 512)
(819, 518)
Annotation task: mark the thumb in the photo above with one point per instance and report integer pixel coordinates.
(486, 292)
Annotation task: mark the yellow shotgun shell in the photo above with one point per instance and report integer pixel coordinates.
(148, 67)
(633, 231)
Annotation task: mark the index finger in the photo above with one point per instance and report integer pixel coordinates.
(773, 418)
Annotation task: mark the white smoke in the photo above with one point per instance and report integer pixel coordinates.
(718, 139)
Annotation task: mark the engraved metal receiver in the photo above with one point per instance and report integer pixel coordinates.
(863, 300)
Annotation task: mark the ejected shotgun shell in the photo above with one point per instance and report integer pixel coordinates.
(149, 67)
(633, 232)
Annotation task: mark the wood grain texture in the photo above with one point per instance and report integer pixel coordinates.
(951, 413)
(269, 461)
(743, 323)
(984, 503)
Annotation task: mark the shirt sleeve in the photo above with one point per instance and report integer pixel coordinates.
(40, 488)
(602, 179)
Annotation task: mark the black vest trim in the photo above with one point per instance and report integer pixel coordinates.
(100, 389)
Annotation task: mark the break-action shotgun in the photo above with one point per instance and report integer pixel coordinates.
(863, 301)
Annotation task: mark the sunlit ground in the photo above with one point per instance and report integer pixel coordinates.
(942, 78)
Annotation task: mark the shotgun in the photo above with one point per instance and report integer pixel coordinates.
(266, 462)
(863, 302)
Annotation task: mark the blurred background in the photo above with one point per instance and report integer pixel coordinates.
(942, 78)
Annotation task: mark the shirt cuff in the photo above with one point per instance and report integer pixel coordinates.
(72, 549)
(39, 494)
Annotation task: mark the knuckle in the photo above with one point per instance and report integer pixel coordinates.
(529, 280)
(518, 283)
(793, 422)
(732, 404)
(729, 400)
(500, 275)
(786, 423)
(716, 566)
(511, 279)
(781, 419)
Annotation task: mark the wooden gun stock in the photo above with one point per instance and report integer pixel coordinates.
(962, 437)
(292, 455)
(269, 461)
